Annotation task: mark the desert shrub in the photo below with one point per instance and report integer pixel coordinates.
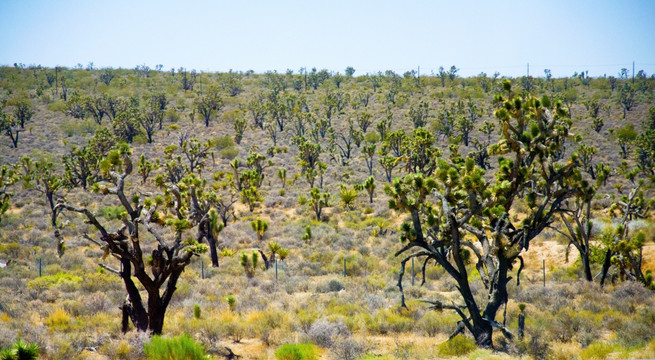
(263, 324)
(172, 115)
(79, 127)
(638, 331)
(628, 295)
(111, 212)
(596, 351)
(458, 346)
(582, 326)
(224, 142)
(66, 280)
(101, 281)
(536, 346)
(333, 285)
(57, 106)
(297, 352)
(323, 332)
(182, 347)
(389, 321)
(228, 153)
(347, 349)
(433, 323)
(196, 311)
(305, 319)
(117, 350)
(59, 319)
(13, 250)
(20, 351)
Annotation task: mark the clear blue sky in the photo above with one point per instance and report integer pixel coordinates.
(566, 36)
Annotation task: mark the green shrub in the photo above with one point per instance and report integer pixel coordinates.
(388, 321)
(196, 311)
(297, 352)
(231, 302)
(182, 347)
(57, 106)
(111, 212)
(59, 319)
(224, 142)
(434, 322)
(68, 281)
(458, 346)
(596, 351)
(79, 127)
(229, 153)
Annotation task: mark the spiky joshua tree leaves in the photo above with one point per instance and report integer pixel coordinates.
(457, 215)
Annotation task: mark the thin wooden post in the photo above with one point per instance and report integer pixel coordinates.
(40, 267)
(202, 269)
(275, 269)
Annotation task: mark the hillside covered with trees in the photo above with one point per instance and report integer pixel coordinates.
(314, 214)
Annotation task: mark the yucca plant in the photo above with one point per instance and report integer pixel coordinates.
(20, 351)
(348, 197)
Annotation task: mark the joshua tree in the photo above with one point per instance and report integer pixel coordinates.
(10, 126)
(388, 163)
(419, 114)
(8, 177)
(364, 120)
(240, 126)
(368, 151)
(318, 201)
(282, 175)
(309, 159)
(208, 104)
(249, 263)
(171, 251)
(23, 111)
(145, 167)
(458, 216)
(107, 75)
(624, 250)
(369, 186)
(41, 177)
(260, 227)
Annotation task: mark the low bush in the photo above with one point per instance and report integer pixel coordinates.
(297, 352)
(433, 323)
(347, 349)
(333, 285)
(59, 319)
(458, 346)
(596, 351)
(59, 279)
(182, 347)
(323, 332)
(228, 153)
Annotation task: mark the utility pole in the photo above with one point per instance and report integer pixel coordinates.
(633, 72)
(528, 70)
